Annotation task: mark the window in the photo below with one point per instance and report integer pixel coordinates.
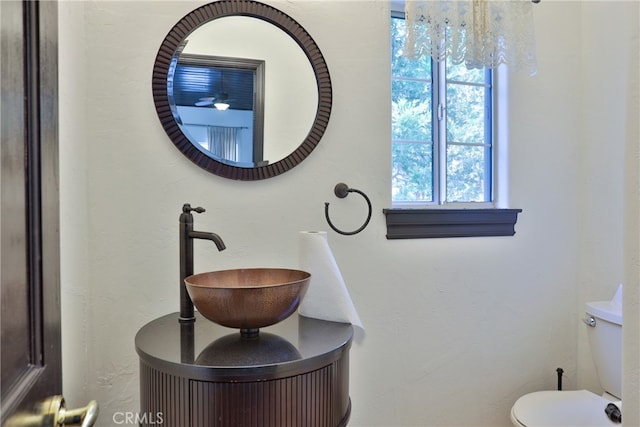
(441, 129)
(442, 147)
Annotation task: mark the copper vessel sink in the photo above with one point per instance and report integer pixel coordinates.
(248, 299)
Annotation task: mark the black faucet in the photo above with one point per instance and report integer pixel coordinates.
(187, 234)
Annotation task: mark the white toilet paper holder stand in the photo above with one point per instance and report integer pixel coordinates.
(342, 190)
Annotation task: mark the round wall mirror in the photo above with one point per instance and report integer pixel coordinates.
(242, 90)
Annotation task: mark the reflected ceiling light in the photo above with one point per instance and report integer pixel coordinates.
(223, 97)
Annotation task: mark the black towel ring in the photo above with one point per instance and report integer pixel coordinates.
(342, 190)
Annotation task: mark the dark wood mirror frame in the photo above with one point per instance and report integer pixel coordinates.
(220, 9)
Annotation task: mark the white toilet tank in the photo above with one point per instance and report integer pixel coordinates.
(604, 320)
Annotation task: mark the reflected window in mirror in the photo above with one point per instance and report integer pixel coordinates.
(218, 104)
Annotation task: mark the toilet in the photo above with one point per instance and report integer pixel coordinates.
(603, 321)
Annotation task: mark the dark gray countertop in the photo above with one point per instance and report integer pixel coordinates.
(208, 352)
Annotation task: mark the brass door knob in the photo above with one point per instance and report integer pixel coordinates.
(53, 412)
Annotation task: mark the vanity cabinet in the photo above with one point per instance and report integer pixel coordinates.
(295, 373)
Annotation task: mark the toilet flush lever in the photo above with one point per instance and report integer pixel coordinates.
(613, 412)
(590, 321)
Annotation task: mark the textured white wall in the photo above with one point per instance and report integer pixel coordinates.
(603, 105)
(452, 323)
(74, 221)
(630, 41)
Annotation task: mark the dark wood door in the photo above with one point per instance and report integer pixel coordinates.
(29, 219)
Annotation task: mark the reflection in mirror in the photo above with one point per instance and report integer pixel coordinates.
(218, 104)
(202, 61)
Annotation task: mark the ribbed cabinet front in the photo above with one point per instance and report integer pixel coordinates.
(319, 398)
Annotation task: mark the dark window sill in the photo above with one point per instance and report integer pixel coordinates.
(434, 223)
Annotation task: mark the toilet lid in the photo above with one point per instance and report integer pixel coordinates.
(562, 408)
